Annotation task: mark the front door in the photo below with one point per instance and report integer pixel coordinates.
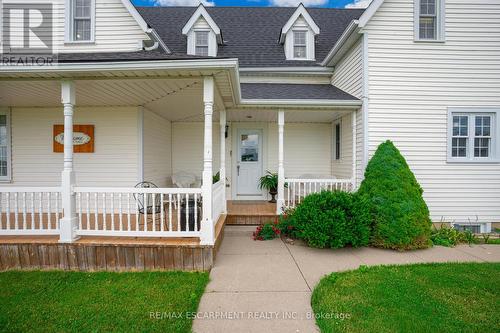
(249, 162)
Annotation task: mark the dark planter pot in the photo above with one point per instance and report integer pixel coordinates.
(273, 193)
(190, 225)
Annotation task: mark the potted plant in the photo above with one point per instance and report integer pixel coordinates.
(270, 182)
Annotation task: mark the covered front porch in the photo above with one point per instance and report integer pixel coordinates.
(150, 127)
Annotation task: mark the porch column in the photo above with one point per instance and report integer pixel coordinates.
(354, 150)
(222, 172)
(69, 221)
(207, 225)
(280, 204)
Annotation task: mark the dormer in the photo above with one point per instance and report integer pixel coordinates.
(298, 35)
(203, 34)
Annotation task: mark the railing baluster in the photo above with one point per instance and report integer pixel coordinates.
(187, 212)
(8, 210)
(40, 211)
(96, 212)
(24, 211)
(178, 212)
(104, 218)
(32, 210)
(170, 212)
(120, 212)
(162, 206)
(145, 211)
(88, 211)
(137, 212)
(153, 203)
(112, 195)
(80, 222)
(49, 211)
(196, 213)
(128, 212)
(16, 217)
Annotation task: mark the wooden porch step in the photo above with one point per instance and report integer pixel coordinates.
(250, 212)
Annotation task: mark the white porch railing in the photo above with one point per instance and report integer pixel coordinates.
(217, 200)
(30, 210)
(297, 189)
(138, 212)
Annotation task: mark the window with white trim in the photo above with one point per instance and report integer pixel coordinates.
(338, 141)
(201, 43)
(429, 20)
(4, 146)
(80, 19)
(300, 44)
(473, 136)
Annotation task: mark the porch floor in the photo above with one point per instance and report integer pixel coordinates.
(91, 253)
(251, 212)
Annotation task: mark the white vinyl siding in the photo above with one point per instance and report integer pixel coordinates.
(348, 76)
(157, 145)
(348, 72)
(115, 30)
(112, 164)
(412, 85)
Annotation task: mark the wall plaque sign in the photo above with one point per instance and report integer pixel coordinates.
(83, 138)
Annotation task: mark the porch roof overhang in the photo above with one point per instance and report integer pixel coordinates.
(289, 95)
(146, 83)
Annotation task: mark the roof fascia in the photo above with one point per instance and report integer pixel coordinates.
(369, 12)
(301, 10)
(346, 40)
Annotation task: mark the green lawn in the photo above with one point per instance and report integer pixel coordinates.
(59, 301)
(413, 298)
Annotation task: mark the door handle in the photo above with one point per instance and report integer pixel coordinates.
(238, 170)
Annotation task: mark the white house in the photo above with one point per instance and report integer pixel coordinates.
(174, 95)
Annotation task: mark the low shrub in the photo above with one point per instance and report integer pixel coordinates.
(399, 214)
(267, 231)
(329, 219)
(447, 236)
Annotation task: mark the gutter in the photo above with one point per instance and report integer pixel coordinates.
(347, 36)
(158, 41)
(287, 70)
(354, 104)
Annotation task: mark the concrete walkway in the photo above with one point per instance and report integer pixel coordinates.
(265, 286)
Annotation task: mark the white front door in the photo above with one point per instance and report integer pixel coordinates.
(249, 162)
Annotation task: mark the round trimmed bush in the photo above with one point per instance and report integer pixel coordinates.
(329, 219)
(399, 213)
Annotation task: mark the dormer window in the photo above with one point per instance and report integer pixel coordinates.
(298, 34)
(299, 44)
(201, 43)
(80, 21)
(203, 34)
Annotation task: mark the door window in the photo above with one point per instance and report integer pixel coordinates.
(249, 148)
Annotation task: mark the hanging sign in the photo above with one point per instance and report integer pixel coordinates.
(83, 138)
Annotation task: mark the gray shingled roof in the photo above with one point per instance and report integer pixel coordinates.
(251, 33)
(293, 91)
(122, 56)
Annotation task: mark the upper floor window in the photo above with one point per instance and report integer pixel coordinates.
(473, 135)
(300, 44)
(201, 43)
(80, 20)
(429, 20)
